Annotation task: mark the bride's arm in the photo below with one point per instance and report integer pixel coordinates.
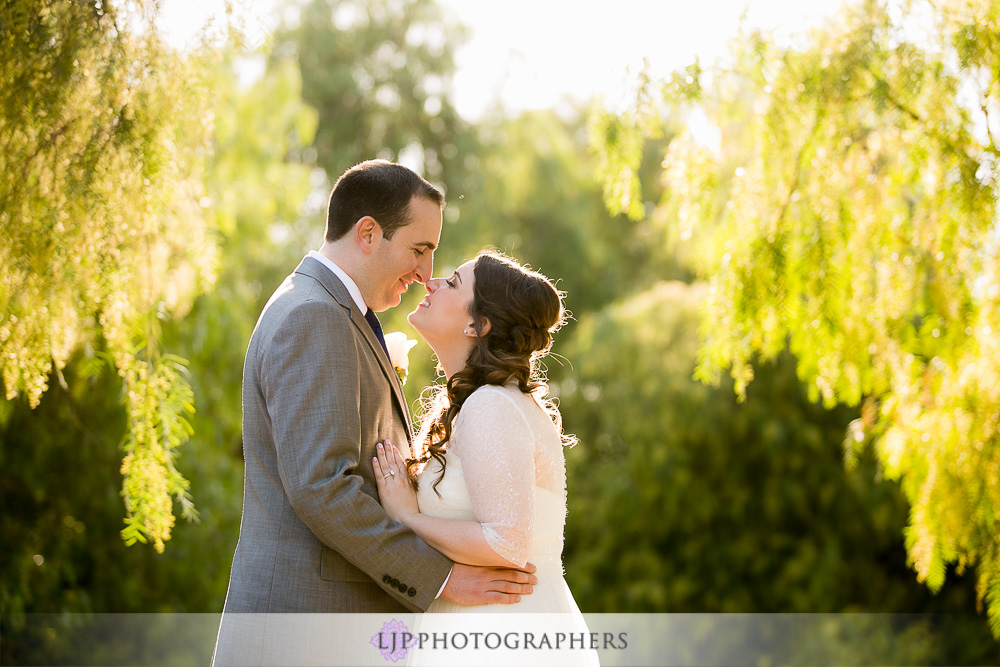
(496, 446)
(461, 541)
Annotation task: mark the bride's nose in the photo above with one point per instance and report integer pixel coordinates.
(432, 285)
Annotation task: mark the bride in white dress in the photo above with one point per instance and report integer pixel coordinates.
(491, 476)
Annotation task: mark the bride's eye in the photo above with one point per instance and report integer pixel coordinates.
(450, 282)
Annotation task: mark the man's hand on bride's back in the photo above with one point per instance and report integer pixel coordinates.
(470, 585)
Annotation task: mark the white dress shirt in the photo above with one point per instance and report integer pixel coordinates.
(352, 287)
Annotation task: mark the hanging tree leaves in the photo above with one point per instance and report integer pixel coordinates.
(103, 134)
(849, 213)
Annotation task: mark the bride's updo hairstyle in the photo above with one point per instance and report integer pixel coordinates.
(515, 312)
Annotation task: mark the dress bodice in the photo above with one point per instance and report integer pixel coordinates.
(506, 470)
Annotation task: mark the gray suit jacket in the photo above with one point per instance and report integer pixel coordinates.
(318, 394)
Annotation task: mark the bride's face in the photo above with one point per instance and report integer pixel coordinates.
(442, 318)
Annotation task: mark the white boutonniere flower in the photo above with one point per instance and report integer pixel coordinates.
(399, 353)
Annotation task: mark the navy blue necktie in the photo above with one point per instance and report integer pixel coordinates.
(377, 328)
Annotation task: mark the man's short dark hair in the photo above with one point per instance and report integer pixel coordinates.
(380, 189)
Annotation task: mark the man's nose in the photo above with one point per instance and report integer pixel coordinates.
(425, 268)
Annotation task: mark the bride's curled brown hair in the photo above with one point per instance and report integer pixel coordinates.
(515, 311)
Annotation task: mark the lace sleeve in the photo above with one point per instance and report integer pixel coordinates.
(496, 446)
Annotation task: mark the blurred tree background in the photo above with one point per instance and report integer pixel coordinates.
(683, 498)
(846, 211)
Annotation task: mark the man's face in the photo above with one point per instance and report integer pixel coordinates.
(407, 257)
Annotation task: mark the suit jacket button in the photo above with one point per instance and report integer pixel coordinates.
(412, 592)
(394, 581)
(387, 579)
(402, 587)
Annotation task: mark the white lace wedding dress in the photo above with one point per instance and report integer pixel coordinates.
(506, 470)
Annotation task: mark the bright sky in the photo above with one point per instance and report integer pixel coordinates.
(529, 54)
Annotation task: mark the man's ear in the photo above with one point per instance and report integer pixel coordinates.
(367, 234)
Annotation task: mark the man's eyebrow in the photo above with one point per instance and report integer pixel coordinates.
(426, 244)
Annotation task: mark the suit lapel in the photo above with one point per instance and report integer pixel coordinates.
(358, 318)
(329, 280)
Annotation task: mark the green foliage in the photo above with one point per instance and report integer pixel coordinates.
(532, 194)
(157, 426)
(684, 500)
(620, 154)
(62, 517)
(103, 133)
(849, 215)
(379, 74)
(262, 204)
(61, 521)
(619, 140)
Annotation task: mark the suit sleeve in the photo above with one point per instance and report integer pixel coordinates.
(312, 380)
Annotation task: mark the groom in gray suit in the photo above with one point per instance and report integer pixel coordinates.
(319, 393)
